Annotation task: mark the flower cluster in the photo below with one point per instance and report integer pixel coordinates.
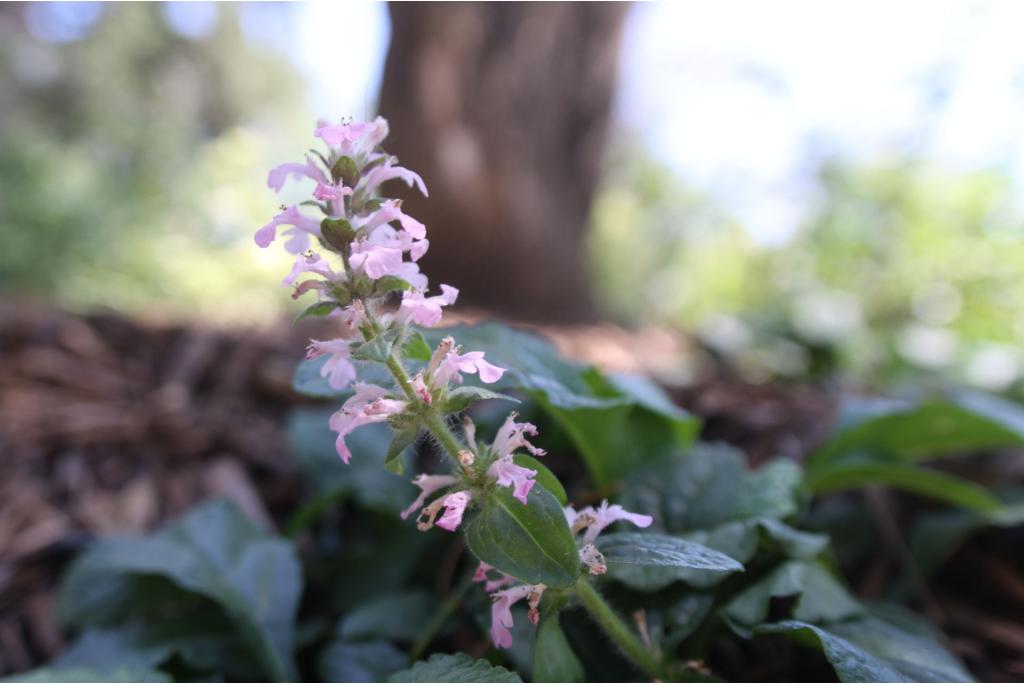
(376, 248)
(590, 522)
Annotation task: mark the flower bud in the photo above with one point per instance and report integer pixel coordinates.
(337, 233)
(346, 171)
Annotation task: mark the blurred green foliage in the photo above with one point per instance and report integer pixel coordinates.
(131, 173)
(899, 267)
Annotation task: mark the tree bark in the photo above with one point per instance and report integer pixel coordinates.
(504, 109)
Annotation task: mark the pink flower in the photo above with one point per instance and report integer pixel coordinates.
(425, 311)
(509, 474)
(605, 516)
(481, 572)
(310, 262)
(471, 362)
(352, 316)
(338, 369)
(511, 436)
(376, 261)
(428, 485)
(279, 174)
(353, 139)
(326, 191)
(387, 172)
(368, 405)
(304, 227)
(410, 273)
(420, 388)
(501, 613)
(391, 210)
(455, 506)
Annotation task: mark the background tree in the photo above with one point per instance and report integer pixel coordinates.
(504, 108)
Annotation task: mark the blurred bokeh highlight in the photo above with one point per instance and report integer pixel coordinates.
(806, 189)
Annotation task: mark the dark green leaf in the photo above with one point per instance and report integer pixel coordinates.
(544, 476)
(871, 651)
(454, 668)
(395, 459)
(461, 398)
(908, 431)
(553, 658)
(360, 662)
(318, 309)
(654, 549)
(417, 347)
(616, 423)
(345, 170)
(531, 542)
(387, 284)
(337, 233)
(859, 472)
(821, 597)
(399, 616)
(215, 552)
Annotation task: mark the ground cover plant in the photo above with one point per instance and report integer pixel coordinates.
(439, 542)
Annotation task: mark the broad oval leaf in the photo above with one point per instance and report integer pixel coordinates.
(531, 542)
(454, 668)
(654, 549)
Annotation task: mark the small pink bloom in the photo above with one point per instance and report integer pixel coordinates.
(504, 580)
(410, 273)
(376, 261)
(471, 362)
(304, 227)
(509, 474)
(425, 311)
(338, 370)
(511, 436)
(391, 210)
(455, 507)
(310, 262)
(368, 405)
(328, 192)
(353, 139)
(606, 515)
(501, 613)
(481, 572)
(279, 174)
(353, 316)
(387, 172)
(428, 485)
(421, 389)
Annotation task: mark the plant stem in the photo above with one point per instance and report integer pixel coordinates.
(432, 418)
(618, 631)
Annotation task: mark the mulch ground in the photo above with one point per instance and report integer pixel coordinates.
(114, 425)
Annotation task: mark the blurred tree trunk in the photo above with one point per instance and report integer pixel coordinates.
(503, 108)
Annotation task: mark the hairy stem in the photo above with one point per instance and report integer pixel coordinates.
(616, 629)
(432, 417)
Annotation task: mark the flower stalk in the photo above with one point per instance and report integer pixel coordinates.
(618, 631)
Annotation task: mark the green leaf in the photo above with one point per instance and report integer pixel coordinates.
(215, 552)
(399, 616)
(531, 542)
(454, 668)
(461, 398)
(387, 284)
(654, 549)
(417, 347)
(337, 233)
(345, 170)
(89, 675)
(821, 597)
(770, 492)
(617, 423)
(318, 309)
(907, 431)
(871, 651)
(859, 472)
(395, 459)
(365, 478)
(544, 476)
(360, 662)
(553, 658)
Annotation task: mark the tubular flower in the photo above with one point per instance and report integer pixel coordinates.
(511, 436)
(302, 227)
(338, 370)
(354, 139)
(279, 174)
(455, 507)
(310, 262)
(471, 362)
(376, 261)
(422, 310)
(368, 405)
(509, 474)
(387, 172)
(596, 520)
(428, 485)
(501, 611)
